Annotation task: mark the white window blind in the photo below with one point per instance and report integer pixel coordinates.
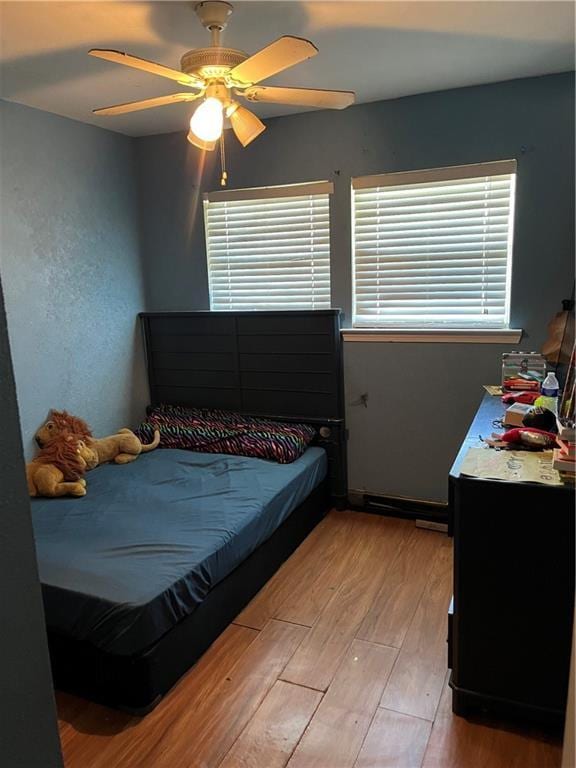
(269, 248)
(434, 248)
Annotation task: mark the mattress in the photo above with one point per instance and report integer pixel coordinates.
(124, 564)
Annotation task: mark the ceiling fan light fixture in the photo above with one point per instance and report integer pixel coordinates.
(208, 120)
(244, 123)
(208, 146)
(216, 71)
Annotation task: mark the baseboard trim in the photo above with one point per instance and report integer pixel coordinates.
(427, 513)
(432, 525)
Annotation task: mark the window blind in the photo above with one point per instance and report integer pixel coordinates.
(269, 248)
(434, 248)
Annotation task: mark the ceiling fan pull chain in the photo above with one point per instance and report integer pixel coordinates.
(224, 177)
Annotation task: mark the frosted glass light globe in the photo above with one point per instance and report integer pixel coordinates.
(207, 121)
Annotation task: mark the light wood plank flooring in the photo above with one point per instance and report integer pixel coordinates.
(339, 662)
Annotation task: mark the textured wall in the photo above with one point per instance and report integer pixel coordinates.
(172, 178)
(28, 732)
(531, 120)
(70, 265)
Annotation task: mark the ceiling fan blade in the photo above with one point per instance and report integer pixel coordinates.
(245, 124)
(146, 66)
(304, 97)
(279, 55)
(134, 106)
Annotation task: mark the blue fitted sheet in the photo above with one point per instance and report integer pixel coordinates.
(122, 565)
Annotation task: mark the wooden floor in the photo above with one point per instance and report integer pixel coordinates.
(339, 662)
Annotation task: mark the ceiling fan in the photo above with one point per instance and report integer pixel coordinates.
(218, 74)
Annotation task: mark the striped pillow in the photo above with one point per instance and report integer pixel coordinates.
(211, 431)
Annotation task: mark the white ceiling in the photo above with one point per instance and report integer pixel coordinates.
(381, 50)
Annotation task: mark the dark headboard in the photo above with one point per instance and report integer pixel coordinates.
(282, 365)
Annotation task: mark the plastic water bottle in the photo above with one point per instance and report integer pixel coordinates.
(549, 397)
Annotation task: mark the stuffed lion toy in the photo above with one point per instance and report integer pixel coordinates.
(122, 448)
(61, 422)
(59, 468)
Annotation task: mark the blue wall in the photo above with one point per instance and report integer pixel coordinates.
(71, 269)
(71, 248)
(531, 120)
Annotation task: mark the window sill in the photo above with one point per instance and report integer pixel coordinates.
(442, 336)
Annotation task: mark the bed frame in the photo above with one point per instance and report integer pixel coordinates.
(283, 365)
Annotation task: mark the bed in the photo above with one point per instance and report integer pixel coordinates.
(141, 575)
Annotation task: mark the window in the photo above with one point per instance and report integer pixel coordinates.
(269, 248)
(434, 248)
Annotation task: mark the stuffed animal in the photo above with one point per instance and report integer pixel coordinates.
(61, 422)
(59, 468)
(122, 448)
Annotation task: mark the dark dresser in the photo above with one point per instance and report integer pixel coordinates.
(510, 621)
